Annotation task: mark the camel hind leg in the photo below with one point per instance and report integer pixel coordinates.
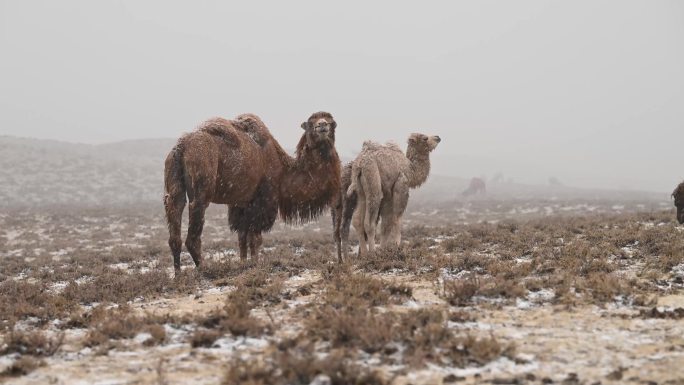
(174, 206)
(372, 188)
(348, 207)
(400, 197)
(174, 202)
(193, 241)
(357, 221)
(386, 221)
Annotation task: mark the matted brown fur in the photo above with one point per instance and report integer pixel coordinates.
(678, 195)
(238, 163)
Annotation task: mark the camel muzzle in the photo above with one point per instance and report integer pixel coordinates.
(680, 215)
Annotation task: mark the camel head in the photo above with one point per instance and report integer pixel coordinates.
(320, 129)
(678, 196)
(422, 143)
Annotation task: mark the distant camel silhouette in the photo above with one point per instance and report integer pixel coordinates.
(476, 186)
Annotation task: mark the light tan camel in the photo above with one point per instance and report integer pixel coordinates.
(381, 176)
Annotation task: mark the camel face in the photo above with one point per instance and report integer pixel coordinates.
(424, 143)
(320, 129)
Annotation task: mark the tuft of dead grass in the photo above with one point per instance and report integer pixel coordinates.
(21, 367)
(301, 366)
(34, 343)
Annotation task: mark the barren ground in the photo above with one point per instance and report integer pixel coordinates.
(502, 292)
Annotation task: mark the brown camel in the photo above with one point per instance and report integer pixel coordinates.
(477, 186)
(238, 163)
(678, 195)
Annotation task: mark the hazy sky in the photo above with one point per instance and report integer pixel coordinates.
(591, 92)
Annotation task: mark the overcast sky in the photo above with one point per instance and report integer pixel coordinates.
(591, 92)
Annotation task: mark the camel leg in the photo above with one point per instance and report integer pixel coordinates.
(242, 241)
(174, 211)
(358, 223)
(349, 204)
(255, 242)
(386, 217)
(194, 239)
(400, 197)
(336, 212)
(370, 221)
(370, 186)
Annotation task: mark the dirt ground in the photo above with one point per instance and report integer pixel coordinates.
(490, 292)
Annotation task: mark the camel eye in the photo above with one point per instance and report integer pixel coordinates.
(425, 139)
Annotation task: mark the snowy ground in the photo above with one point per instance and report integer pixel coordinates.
(583, 293)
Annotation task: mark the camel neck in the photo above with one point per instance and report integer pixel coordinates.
(309, 183)
(419, 167)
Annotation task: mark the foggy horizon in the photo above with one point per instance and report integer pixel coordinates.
(590, 93)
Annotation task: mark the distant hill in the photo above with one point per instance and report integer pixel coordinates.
(441, 188)
(45, 172)
(37, 172)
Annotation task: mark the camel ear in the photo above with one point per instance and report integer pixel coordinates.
(333, 124)
(306, 125)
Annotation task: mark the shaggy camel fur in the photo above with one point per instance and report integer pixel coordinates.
(477, 186)
(381, 177)
(678, 195)
(238, 163)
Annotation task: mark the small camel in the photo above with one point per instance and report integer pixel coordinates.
(678, 195)
(380, 179)
(238, 163)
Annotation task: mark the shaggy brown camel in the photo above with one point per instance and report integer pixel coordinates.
(477, 186)
(678, 195)
(238, 163)
(381, 177)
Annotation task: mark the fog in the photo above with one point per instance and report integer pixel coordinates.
(589, 92)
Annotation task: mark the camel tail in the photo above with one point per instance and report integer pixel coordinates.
(174, 199)
(174, 178)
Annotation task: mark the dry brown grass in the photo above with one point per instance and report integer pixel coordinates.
(106, 326)
(34, 343)
(594, 259)
(21, 367)
(461, 292)
(117, 286)
(300, 366)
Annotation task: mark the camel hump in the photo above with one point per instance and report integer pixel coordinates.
(393, 146)
(219, 127)
(370, 146)
(254, 127)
